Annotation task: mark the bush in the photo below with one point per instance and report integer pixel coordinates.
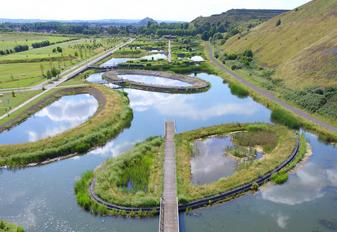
(41, 44)
(278, 23)
(286, 118)
(248, 53)
(279, 178)
(237, 90)
(21, 48)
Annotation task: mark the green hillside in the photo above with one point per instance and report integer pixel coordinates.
(300, 46)
(233, 21)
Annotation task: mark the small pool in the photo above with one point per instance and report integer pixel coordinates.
(158, 56)
(210, 161)
(154, 80)
(96, 78)
(65, 113)
(114, 62)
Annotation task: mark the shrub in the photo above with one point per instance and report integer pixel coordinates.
(286, 118)
(279, 178)
(278, 23)
(237, 90)
(255, 187)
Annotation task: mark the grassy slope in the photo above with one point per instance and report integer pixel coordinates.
(302, 49)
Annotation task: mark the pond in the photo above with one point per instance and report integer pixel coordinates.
(42, 198)
(307, 202)
(158, 56)
(210, 161)
(63, 114)
(114, 62)
(154, 80)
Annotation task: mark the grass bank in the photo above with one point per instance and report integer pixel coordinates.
(10, 227)
(111, 117)
(294, 119)
(133, 179)
(275, 153)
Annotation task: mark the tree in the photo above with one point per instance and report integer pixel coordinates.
(13, 94)
(205, 36)
(59, 49)
(248, 53)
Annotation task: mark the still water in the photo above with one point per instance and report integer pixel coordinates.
(65, 113)
(210, 161)
(154, 80)
(42, 198)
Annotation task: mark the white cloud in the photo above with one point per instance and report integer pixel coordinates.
(135, 9)
(281, 220)
(184, 106)
(306, 185)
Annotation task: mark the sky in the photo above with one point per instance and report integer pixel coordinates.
(180, 10)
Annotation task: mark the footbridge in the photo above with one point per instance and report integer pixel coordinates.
(169, 215)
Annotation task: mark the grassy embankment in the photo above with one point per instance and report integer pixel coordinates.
(279, 114)
(38, 61)
(112, 116)
(276, 153)
(10, 227)
(132, 179)
(294, 57)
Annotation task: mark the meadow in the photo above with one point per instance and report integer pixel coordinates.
(31, 67)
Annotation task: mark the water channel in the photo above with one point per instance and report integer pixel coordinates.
(42, 198)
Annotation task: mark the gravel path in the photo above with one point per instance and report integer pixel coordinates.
(269, 95)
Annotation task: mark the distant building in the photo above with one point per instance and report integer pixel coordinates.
(170, 36)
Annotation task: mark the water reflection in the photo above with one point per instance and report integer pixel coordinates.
(154, 80)
(65, 113)
(308, 183)
(53, 184)
(210, 161)
(307, 202)
(114, 62)
(159, 56)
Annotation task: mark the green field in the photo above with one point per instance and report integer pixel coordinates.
(10, 40)
(8, 101)
(28, 68)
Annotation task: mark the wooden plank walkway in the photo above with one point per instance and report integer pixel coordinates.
(169, 216)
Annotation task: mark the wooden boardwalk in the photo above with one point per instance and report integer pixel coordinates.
(169, 216)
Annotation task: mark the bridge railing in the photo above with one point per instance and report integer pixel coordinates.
(161, 215)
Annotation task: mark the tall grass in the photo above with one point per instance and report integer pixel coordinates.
(286, 141)
(133, 178)
(284, 117)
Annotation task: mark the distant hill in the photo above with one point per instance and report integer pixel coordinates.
(302, 48)
(225, 21)
(145, 21)
(116, 22)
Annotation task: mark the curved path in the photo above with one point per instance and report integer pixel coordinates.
(195, 84)
(205, 201)
(268, 94)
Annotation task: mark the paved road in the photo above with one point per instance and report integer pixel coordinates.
(169, 57)
(70, 73)
(268, 94)
(169, 213)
